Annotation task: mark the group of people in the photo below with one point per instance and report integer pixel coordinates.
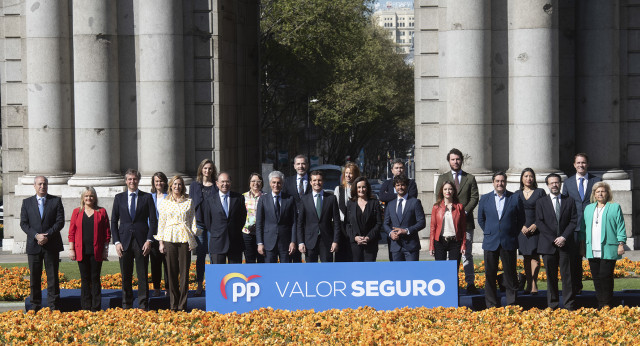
(299, 217)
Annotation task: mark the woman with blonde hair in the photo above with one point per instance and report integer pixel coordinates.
(343, 195)
(89, 236)
(603, 229)
(177, 232)
(203, 187)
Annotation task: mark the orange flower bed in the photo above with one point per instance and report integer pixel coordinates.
(496, 326)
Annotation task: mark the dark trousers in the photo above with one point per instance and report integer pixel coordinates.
(452, 248)
(344, 249)
(295, 257)
(561, 259)
(251, 254)
(51, 261)
(178, 262)
(321, 251)
(404, 255)
(90, 286)
(576, 265)
(233, 257)
(157, 260)
(134, 252)
(602, 272)
(364, 253)
(201, 254)
(271, 256)
(508, 258)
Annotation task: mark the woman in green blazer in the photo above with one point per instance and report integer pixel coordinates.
(603, 229)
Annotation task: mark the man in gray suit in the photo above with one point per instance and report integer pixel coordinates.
(579, 188)
(467, 195)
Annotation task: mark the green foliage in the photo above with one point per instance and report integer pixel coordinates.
(332, 52)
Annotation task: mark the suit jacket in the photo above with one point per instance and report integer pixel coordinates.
(197, 197)
(387, 193)
(291, 188)
(271, 230)
(142, 228)
(412, 219)
(50, 224)
(327, 225)
(504, 231)
(225, 233)
(613, 230)
(547, 223)
(467, 194)
(459, 222)
(371, 228)
(101, 232)
(570, 188)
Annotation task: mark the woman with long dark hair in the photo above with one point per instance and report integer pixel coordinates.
(364, 221)
(448, 225)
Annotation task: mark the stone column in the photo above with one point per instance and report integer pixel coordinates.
(598, 82)
(160, 88)
(95, 66)
(467, 59)
(533, 85)
(48, 68)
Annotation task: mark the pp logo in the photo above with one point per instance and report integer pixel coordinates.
(240, 289)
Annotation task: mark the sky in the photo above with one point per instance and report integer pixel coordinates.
(382, 4)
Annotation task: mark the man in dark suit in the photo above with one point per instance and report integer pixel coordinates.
(556, 219)
(388, 192)
(318, 222)
(579, 188)
(276, 216)
(133, 224)
(297, 186)
(224, 216)
(403, 219)
(42, 218)
(468, 196)
(501, 217)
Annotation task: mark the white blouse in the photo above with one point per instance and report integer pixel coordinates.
(596, 232)
(448, 229)
(177, 223)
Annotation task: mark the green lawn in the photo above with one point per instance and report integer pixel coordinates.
(71, 271)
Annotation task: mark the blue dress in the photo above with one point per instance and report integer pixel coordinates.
(528, 244)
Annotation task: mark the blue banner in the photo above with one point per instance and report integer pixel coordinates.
(324, 286)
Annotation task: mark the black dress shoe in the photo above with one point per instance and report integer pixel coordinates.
(471, 289)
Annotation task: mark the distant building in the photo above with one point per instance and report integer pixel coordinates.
(399, 23)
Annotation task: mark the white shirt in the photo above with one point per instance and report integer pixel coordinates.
(584, 182)
(305, 182)
(404, 203)
(346, 197)
(137, 192)
(273, 198)
(453, 173)
(222, 198)
(596, 232)
(554, 201)
(317, 195)
(448, 229)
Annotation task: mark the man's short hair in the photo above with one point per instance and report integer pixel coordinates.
(46, 181)
(400, 179)
(397, 161)
(316, 172)
(552, 175)
(224, 172)
(133, 172)
(455, 151)
(502, 173)
(300, 157)
(583, 155)
(276, 174)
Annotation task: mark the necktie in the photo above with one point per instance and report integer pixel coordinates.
(301, 187)
(41, 206)
(581, 189)
(225, 205)
(319, 204)
(558, 214)
(132, 206)
(455, 181)
(399, 210)
(277, 205)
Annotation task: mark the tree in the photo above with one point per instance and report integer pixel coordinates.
(332, 52)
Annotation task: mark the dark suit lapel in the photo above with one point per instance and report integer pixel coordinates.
(139, 202)
(217, 204)
(232, 202)
(590, 183)
(463, 180)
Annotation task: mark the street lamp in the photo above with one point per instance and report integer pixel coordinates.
(309, 102)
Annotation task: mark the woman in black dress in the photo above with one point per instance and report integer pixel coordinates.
(528, 240)
(364, 221)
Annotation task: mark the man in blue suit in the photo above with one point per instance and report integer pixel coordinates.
(276, 216)
(403, 219)
(579, 188)
(133, 224)
(501, 217)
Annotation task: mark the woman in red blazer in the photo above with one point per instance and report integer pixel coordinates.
(89, 236)
(448, 225)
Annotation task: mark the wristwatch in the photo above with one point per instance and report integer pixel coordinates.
(620, 243)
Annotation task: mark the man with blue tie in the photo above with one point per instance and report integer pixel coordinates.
(276, 216)
(42, 218)
(224, 214)
(403, 219)
(501, 217)
(133, 224)
(579, 188)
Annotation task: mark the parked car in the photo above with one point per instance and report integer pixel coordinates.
(376, 184)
